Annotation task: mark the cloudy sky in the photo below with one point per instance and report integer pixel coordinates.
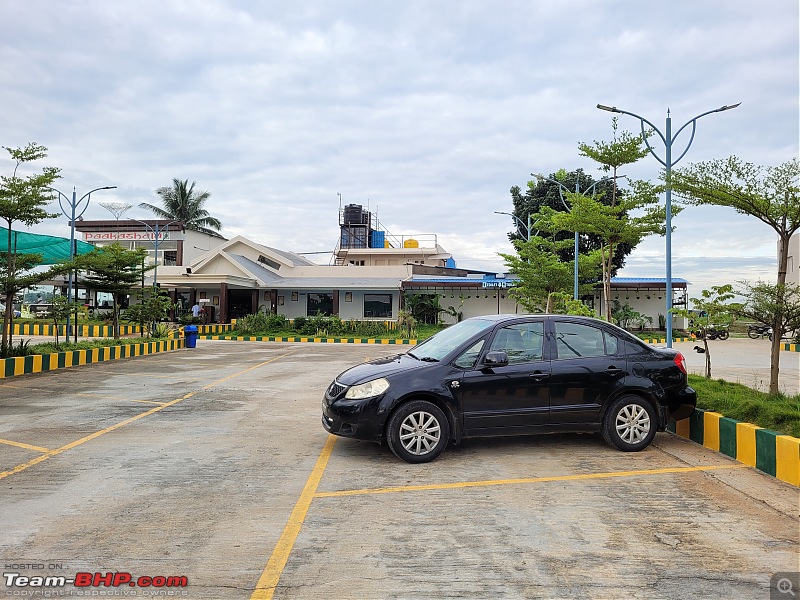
(427, 111)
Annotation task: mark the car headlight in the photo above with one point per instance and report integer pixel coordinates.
(367, 390)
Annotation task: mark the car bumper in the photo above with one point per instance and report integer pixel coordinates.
(681, 404)
(355, 421)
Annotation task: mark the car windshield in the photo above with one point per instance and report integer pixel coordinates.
(447, 340)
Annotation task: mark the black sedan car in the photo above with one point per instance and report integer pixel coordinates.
(509, 375)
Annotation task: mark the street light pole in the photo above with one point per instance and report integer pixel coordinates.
(157, 232)
(519, 223)
(74, 204)
(561, 189)
(668, 139)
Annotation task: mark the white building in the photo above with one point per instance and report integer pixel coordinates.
(793, 260)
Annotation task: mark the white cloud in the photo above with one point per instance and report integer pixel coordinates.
(429, 111)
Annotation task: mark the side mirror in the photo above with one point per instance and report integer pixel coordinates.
(497, 358)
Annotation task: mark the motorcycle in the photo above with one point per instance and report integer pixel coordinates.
(714, 332)
(759, 331)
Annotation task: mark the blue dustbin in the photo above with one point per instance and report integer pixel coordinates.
(190, 333)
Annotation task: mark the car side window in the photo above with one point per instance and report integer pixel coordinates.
(468, 358)
(522, 343)
(612, 344)
(574, 340)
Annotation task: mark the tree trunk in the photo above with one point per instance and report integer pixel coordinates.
(777, 325)
(708, 356)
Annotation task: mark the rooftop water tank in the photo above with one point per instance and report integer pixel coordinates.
(411, 243)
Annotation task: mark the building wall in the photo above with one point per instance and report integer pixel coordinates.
(793, 262)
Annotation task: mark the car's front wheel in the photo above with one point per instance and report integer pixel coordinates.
(418, 431)
(630, 424)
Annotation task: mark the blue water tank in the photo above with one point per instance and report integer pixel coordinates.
(450, 263)
(378, 239)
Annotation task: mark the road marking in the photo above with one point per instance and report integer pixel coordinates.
(493, 482)
(50, 453)
(265, 588)
(149, 402)
(26, 446)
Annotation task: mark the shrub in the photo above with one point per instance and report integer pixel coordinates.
(21, 348)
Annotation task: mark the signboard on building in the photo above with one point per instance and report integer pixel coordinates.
(130, 236)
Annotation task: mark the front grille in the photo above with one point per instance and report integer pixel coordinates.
(335, 389)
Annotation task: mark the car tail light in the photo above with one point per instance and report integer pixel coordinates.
(680, 362)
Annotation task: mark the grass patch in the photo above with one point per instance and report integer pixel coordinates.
(779, 413)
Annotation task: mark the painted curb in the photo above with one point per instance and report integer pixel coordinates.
(45, 329)
(790, 347)
(768, 451)
(311, 340)
(664, 340)
(38, 363)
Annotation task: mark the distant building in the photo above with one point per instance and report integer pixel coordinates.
(793, 260)
(372, 271)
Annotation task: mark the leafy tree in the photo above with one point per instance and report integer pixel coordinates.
(540, 268)
(764, 302)
(611, 220)
(22, 199)
(114, 270)
(149, 310)
(716, 309)
(770, 194)
(60, 311)
(182, 203)
(541, 193)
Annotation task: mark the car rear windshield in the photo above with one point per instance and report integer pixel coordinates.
(447, 340)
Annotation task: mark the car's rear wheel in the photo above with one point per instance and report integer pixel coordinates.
(630, 423)
(418, 431)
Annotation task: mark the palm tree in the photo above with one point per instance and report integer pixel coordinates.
(182, 203)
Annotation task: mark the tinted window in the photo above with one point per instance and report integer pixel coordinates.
(522, 342)
(612, 343)
(377, 305)
(447, 340)
(574, 340)
(467, 360)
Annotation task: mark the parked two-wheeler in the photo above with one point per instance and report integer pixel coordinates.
(714, 332)
(759, 331)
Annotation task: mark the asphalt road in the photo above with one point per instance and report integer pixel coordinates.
(211, 464)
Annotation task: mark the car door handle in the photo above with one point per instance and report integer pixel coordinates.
(613, 371)
(538, 375)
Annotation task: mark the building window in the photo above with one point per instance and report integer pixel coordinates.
(378, 305)
(171, 257)
(294, 297)
(319, 303)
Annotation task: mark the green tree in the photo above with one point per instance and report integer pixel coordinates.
(770, 194)
(22, 200)
(150, 309)
(768, 302)
(611, 220)
(60, 311)
(182, 203)
(715, 308)
(541, 270)
(114, 270)
(544, 192)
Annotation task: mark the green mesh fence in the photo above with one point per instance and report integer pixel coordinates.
(52, 249)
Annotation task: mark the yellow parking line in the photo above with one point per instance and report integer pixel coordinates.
(491, 482)
(26, 446)
(96, 434)
(149, 402)
(265, 588)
